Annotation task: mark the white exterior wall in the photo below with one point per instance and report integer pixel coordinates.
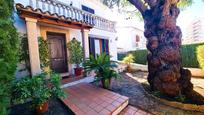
(75, 33)
(195, 32)
(106, 35)
(127, 39)
(124, 41)
(99, 9)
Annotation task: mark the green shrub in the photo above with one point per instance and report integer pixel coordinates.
(189, 58)
(37, 88)
(140, 56)
(8, 53)
(44, 53)
(188, 53)
(103, 67)
(121, 56)
(128, 59)
(76, 52)
(200, 56)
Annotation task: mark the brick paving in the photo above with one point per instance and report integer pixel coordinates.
(131, 110)
(70, 78)
(87, 99)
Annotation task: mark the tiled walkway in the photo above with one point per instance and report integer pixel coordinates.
(70, 78)
(130, 110)
(87, 99)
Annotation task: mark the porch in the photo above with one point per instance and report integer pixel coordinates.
(58, 23)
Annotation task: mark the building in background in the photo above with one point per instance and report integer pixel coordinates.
(194, 32)
(59, 21)
(129, 37)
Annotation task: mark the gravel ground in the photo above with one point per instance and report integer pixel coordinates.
(131, 87)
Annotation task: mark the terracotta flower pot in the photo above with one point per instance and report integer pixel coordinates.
(129, 69)
(42, 108)
(78, 71)
(106, 83)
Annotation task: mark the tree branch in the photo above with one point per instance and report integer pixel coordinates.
(139, 5)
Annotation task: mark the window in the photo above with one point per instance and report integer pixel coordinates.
(98, 46)
(137, 39)
(87, 9)
(90, 10)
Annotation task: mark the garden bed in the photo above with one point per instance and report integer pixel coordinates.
(56, 107)
(178, 102)
(130, 85)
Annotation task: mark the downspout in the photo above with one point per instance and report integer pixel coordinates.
(83, 43)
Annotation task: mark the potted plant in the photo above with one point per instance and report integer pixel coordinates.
(128, 60)
(75, 55)
(38, 89)
(103, 67)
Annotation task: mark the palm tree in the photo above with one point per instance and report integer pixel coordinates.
(103, 68)
(166, 73)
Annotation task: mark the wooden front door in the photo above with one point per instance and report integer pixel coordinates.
(58, 55)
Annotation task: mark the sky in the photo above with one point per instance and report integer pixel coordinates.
(196, 10)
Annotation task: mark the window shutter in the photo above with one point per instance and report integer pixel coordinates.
(106, 42)
(91, 46)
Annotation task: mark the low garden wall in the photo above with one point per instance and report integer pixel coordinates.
(196, 72)
(179, 105)
(189, 58)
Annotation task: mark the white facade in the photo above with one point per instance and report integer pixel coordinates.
(100, 10)
(130, 38)
(195, 32)
(102, 31)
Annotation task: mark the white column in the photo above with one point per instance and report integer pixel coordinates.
(85, 42)
(31, 25)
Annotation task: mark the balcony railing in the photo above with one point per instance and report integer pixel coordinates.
(63, 9)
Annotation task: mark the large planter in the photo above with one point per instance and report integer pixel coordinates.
(78, 71)
(42, 108)
(106, 83)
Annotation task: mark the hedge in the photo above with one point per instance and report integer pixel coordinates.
(200, 56)
(189, 56)
(188, 52)
(8, 53)
(140, 56)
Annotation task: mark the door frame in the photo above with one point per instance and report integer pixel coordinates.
(44, 28)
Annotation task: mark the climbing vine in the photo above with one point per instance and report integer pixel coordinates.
(44, 53)
(24, 52)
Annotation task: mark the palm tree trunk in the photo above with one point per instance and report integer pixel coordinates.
(163, 43)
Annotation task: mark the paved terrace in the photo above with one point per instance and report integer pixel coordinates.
(87, 99)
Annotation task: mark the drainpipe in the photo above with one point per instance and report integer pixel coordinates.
(83, 43)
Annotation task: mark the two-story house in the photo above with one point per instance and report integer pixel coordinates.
(130, 36)
(59, 21)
